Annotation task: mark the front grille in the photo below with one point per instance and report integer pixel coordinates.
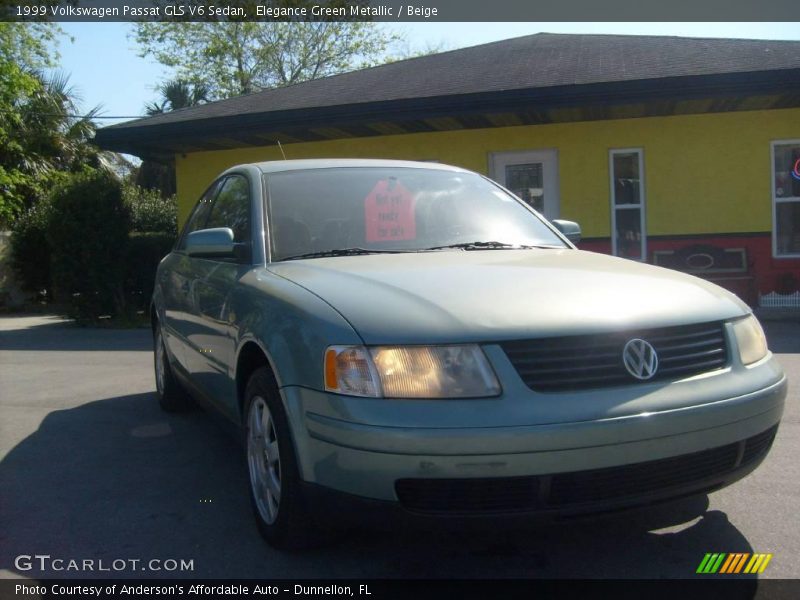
(581, 488)
(642, 478)
(758, 445)
(595, 361)
(468, 495)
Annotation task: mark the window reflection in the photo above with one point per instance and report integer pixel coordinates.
(786, 177)
(629, 233)
(626, 179)
(628, 204)
(232, 208)
(378, 208)
(527, 182)
(788, 227)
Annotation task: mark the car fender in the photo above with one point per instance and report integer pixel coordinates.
(291, 325)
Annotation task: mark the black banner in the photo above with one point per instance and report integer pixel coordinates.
(398, 10)
(706, 588)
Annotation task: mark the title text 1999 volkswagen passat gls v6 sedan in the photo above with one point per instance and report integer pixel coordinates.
(412, 337)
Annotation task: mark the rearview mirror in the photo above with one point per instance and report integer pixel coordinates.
(216, 242)
(570, 229)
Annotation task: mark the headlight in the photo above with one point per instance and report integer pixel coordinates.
(750, 339)
(349, 370)
(410, 372)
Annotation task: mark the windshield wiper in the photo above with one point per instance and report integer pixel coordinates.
(342, 252)
(489, 246)
(462, 246)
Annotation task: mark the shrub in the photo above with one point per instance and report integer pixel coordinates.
(88, 235)
(145, 251)
(149, 211)
(98, 243)
(30, 248)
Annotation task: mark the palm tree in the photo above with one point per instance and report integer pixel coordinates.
(55, 131)
(45, 132)
(177, 94)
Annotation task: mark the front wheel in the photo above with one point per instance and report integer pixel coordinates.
(171, 396)
(275, 492)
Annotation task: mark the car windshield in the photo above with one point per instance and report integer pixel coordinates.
(359, 210)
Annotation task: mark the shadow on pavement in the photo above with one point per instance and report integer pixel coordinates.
(783, 336)
(55, 334)
(119, 479)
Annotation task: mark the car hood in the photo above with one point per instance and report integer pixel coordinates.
(493, 295)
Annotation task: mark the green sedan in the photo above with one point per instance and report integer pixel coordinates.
(412, 340)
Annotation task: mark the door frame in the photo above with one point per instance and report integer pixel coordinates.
(641, 205)
(550, 171)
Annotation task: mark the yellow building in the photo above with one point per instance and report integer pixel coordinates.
(678, 151)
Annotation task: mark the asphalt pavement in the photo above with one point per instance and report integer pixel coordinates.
(91, 469)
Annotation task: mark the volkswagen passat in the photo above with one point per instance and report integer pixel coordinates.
(412, 337)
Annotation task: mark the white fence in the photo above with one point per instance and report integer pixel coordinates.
(775, 300)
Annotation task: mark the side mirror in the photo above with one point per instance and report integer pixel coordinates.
(217, 243)
(570, 229)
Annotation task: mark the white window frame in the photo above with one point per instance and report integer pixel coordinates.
(549, 158)
(641, 205)
(776, 200)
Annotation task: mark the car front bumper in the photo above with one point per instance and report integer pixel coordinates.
(663, 448)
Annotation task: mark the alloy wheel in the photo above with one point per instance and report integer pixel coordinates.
(263, 457)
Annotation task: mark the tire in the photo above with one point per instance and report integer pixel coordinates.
(275, 491)
(171, 396)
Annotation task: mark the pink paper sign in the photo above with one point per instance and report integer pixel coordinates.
(389, 213)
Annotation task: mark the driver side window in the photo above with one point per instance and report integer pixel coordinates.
(232, 208)
(197, 220)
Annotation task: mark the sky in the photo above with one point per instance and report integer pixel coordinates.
(105, 69)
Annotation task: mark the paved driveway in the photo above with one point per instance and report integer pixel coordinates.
(90, 468)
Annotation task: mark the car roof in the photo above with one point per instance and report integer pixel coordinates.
(330, 163)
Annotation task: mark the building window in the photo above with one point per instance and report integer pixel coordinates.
(531, 175)
(786, 198)
(628, 231)
(526, 181)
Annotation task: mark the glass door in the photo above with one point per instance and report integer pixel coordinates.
(628, 230)
(532, 175)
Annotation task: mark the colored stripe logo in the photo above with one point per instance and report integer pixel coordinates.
(733, 563)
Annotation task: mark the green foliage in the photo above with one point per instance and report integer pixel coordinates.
(145, 251)
(234, 58)
(30, 46)
(88, 234)
(40, 134)
(14, 187)
(178, 94)
(19, 50)
(104, 241)
(154, 228)
(150, 212)
(175, 94)
(152, 175)
(30, 248)
(70, 221)
(54, 138)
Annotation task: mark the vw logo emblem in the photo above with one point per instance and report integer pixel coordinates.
(640, 359)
